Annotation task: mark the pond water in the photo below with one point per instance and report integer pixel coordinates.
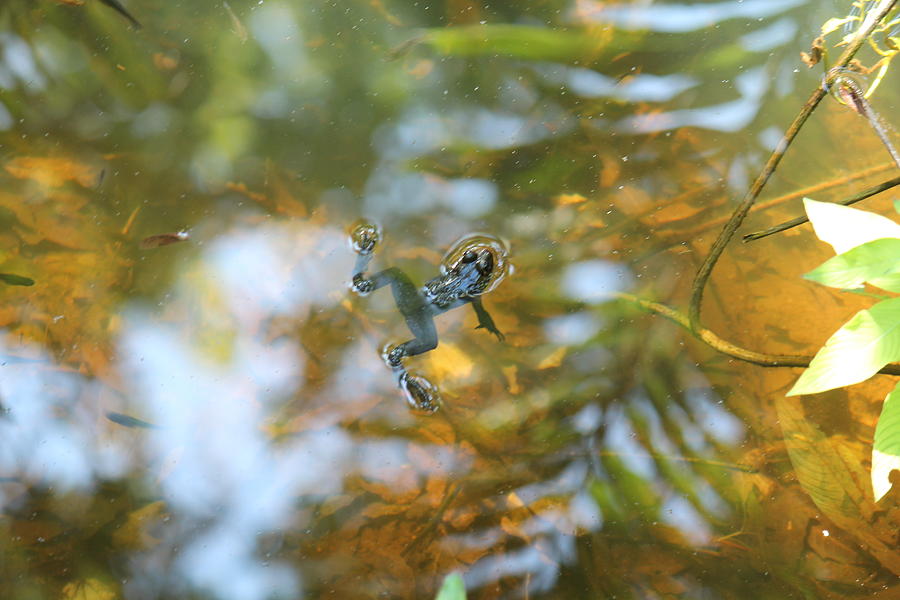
(197, 404)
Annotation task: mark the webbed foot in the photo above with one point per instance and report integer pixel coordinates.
(421, 394)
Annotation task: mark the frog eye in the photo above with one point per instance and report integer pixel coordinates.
(469, 256)
(485, 264)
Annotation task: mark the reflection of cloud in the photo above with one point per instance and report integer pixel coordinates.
(594, 281)
(18, 59)
(679, 17)
(728, 116)
(421, 131)
(573, 329)
(777, 34)
(48, 427)
(391, 191)
(222, 477)
(640, 88)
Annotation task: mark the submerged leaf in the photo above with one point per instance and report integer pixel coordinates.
(856, 351)
(876, 262)
(845, 228)
(886, 450)
(11, 279)
(53, 172)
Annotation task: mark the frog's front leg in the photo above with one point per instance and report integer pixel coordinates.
(484, 318)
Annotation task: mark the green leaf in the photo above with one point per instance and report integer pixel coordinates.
(886, 450)
(453, 588)
(844, 227)
(877, 263)
(856, 351)
(897, 205)
(11, 279)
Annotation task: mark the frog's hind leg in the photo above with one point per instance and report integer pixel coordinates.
(426, 337)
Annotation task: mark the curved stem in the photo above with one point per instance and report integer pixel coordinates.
(726, 347)
(872, 19)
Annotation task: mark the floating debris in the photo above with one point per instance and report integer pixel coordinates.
(129, 421)
(237, 26)
(164, 239)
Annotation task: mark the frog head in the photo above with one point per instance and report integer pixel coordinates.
(474, 265)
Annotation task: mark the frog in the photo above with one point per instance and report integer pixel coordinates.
(472, 267)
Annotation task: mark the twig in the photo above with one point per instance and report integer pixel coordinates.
(726, 347)
(801, 193)
(885, 185)
(872, 19)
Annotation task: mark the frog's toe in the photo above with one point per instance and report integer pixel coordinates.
(364, 237)
(362, 285)
(394, 356)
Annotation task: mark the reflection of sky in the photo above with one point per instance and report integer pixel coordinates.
(680, 17)
(219, 472)
(640, 88)
(422, 130)
(18, 60)
(593, 281)
(572, 329)
(777, 34)
(393, 189)
(752, 85)
(621, 438)
(47, 431)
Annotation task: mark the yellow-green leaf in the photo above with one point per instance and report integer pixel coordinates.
(876, 262)
(856, 351)
(453, 588)
(844, 227)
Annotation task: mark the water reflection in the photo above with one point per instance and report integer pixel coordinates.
(216, 466)
(681, 17)
(48, 426)
(585, 455)
(735, 115)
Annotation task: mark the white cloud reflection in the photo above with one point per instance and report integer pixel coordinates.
(217, 468)
(734, 115)
(643, 87)
(679, 17)
(594, 281)
(48, 425)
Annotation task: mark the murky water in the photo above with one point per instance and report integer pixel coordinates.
(195, 404)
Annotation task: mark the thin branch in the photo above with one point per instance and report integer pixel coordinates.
(885, 185)
(726, 347)
(872, 19)
(801, 193)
